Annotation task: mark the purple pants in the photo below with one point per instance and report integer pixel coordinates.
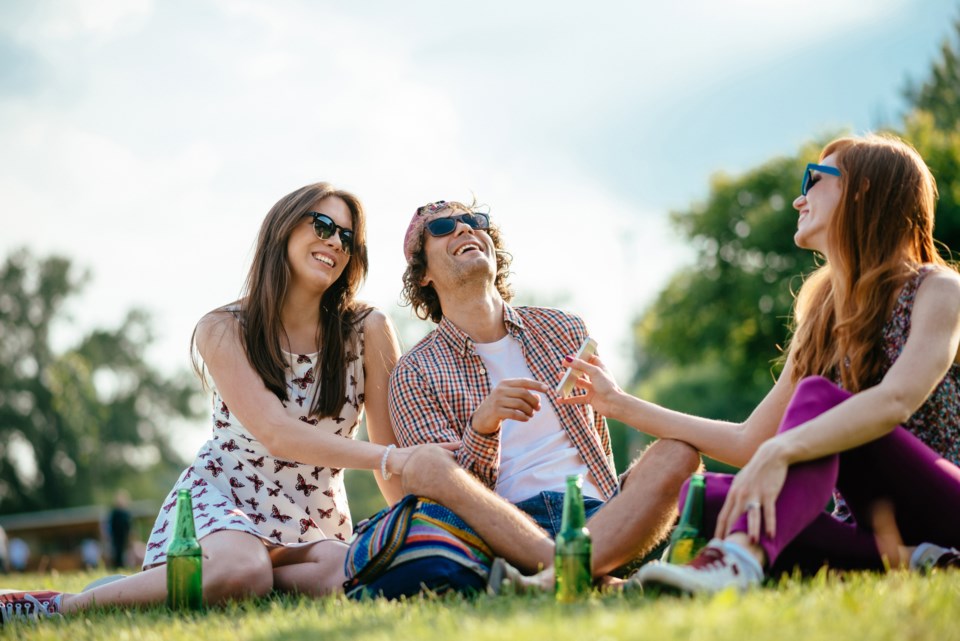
(922, 487)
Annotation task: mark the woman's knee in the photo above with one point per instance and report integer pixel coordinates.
(241, 568)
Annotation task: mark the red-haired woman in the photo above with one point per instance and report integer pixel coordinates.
(293, 364)
(868, 401)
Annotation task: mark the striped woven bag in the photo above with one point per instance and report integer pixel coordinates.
(413, 546)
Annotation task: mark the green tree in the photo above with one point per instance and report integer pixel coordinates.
(939, 93)
(707, 345)
(79, 423)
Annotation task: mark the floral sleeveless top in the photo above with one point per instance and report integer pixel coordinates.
(937, 422)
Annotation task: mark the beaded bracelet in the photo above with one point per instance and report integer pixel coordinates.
(383, 463)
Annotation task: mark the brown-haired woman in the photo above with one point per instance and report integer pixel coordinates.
(293, 364)
(868, 401)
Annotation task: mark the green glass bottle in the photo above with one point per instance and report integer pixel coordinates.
(572, 565)
(184, 559)
(688, 537)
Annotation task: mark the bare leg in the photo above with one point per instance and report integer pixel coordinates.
(313, 570)
(510, 533)
(641, 515)
(235, 564)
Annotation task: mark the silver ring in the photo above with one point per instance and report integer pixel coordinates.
(753, 505)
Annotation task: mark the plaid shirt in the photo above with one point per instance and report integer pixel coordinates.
(438, 384)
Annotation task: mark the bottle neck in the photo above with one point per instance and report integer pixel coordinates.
(183, 524)
(573, 512)
(693, 506)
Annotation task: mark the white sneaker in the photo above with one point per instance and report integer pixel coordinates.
(929, 557)
(718, 566)
(506, 579)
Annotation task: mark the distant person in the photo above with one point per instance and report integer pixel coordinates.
(19, 553)
(4, 552)
(90, 553)
(294, 363)
(484, 378)
(868, 401)
(119, 524)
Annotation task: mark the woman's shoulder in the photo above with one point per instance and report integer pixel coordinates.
(373, 320)
(939, 282)
(217, 325)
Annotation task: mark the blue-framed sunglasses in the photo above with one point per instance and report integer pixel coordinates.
(325, 228)
(444, 226)
(809, 179)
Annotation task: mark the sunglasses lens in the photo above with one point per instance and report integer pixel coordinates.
(805, 185)
(476, 221)
(324, 227)
(441, 226)
(346, 241)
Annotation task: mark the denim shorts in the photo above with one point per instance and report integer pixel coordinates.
(546, 509)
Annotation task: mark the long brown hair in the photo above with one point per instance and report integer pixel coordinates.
(265, 289)
(880, 234)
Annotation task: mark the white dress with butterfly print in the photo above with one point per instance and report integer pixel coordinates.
(237, 485)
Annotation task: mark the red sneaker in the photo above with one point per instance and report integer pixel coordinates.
(28, 606)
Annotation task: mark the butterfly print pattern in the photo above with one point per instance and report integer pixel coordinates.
(257, 483)
(243, 487)
(279, 465)
(275, 513)
(303, 486)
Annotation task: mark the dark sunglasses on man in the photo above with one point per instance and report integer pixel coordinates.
(443, 226)
(325, 228)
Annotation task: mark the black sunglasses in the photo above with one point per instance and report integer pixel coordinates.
(325, 228)
(444, 226)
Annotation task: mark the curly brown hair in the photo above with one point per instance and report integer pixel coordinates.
(423, 298)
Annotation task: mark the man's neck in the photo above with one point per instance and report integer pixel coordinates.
(478, 314)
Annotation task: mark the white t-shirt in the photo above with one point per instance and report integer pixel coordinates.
(536, 455)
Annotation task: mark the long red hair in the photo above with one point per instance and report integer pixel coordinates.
(880, 234)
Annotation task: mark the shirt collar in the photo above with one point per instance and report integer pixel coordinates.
(463, 344)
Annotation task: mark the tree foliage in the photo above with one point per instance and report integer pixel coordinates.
(708, 344)
(77, 424)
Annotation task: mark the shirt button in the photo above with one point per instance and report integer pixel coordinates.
(483, 370)
(490, 450)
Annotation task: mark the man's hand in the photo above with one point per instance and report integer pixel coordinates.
(513, 398)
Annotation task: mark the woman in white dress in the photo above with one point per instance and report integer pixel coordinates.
(293, 364)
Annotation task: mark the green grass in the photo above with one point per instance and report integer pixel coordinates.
(896, 606)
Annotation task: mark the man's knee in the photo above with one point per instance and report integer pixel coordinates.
(428, 468)
(668, 463)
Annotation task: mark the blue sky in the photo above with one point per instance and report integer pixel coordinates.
(147, 139)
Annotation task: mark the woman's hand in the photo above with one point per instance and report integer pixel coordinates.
(755, 490)
(398, 457)
(601, 389)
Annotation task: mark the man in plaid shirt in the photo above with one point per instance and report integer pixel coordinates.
(483, 378)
